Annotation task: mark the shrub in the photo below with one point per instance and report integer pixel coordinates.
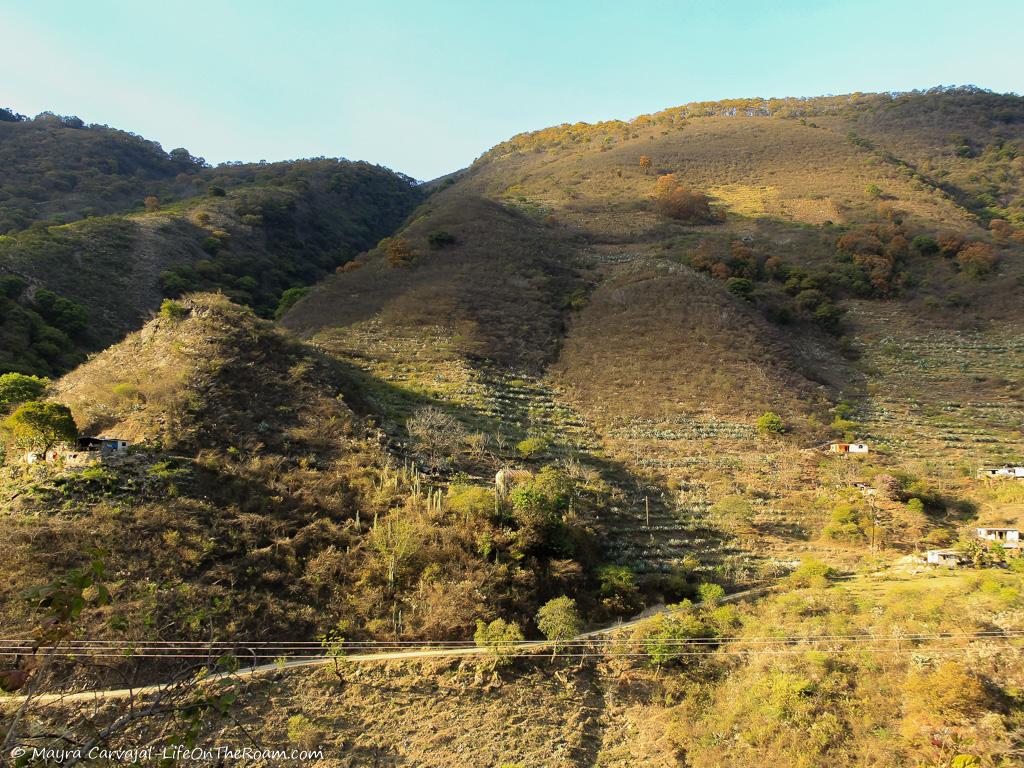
(710, 593)
(151, 203)
(173, 310)
(215, 191)
(436, 435)
(440, 239)
(499, 637)
(925, 245)
(741, 287)
(397, 251)
(619, 591)
(845, 524)
(674, 200)
(18, 388)
(977, 260)
(126, 391)
(665, 635)
(471, 501)
(771, 424)
(288, 300)
(811, 573)
(532, 447)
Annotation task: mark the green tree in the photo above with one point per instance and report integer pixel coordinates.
(666, 634)
(740, 287)
(619, 591)
(38, 426)
(499, 637)
(559, 621)
(18, 388)
(288, 300)
(771, 424)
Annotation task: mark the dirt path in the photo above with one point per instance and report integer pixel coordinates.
(530, 646)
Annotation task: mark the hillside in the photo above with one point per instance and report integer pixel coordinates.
(669, 332)
(597, 371)
(254, 232)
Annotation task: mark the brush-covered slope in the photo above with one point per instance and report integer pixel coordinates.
(58, 169)
(258, 503)
(666, 281)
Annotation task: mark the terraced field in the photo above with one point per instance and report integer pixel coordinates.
(649, 528)
(951, 398)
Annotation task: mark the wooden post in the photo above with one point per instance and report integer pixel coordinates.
(647, 508)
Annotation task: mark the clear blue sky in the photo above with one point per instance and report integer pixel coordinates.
(425, 86)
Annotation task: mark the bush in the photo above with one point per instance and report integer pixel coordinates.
(499, 637)
(977, 260)
(440, 239)
(397, 251)
(288, 300)
(811, 573)
(471, 501)
(674, 200)
(845, 524)
(710, 593)
(18, 388)
(740, 287)
(619, 592)
(126, 391)
(771, 424)
(924, 245)
(173, 310)
(665, 635)
(532, 447)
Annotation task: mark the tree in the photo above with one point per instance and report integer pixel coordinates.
(397, 251)
(152, 203)
(977, 260)
(38, 426)
(18, 388)
(288, 300)
(645, 164)
(499, 637)
(559, 621)
(771, 424)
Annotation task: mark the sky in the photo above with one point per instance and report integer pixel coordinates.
(426, 86)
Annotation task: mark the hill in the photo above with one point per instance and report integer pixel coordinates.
(665, 282)
(171, 225)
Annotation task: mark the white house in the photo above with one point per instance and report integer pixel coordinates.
(947, 557)
(848, 448)
(1002, 472)
(1008, 537)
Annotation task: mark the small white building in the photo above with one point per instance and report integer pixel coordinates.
(947, 557)
(848, 448)
(1008, 537)
(86, 450)
(1007, 472)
